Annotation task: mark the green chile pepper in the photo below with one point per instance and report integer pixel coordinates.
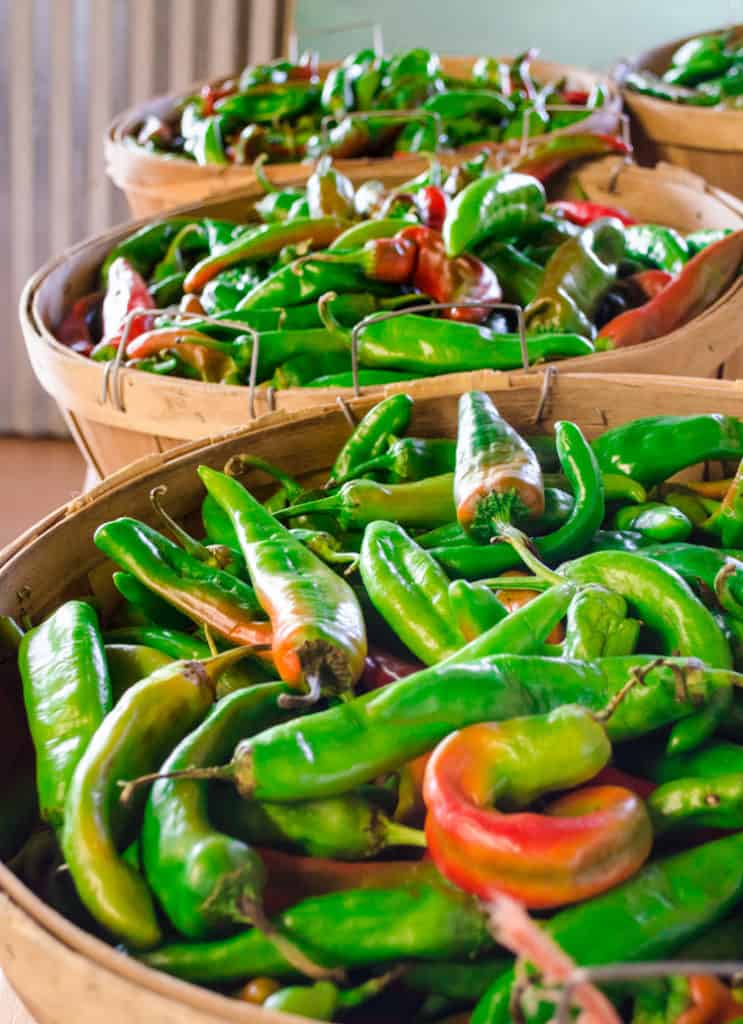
(134, 738)
(67, 693)
(475, 608)
(410, 591)
(154, 608)
(495, 206)
(410, 459)
(519, 277)
(654, 520)
(713, 802)
(365, 378)
(390, 416)
(656, 246)
(203, 879)
(128, 663)
(597, 625)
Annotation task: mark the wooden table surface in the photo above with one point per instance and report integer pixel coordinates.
(11, 1010)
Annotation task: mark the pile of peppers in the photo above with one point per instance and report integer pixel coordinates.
(353, 742)
(329, 263)
(706, 71)
(367, 105)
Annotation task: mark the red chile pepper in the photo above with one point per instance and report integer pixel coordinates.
(211, 93)
(464, 278)
(584, 843)
(700, 283)
(575, 97)
(547, 159)
(74, 332)
(380, 259)
(382, 668)
(585, 213)
(651, 282)
(127, 290)
(431, 203)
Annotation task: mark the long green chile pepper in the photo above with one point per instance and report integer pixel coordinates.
(665, 905)
(67, 693)
(656, 246)
(597, 625)
(204, 594)
(427, 346)
(318, 631)
(716, 758)
(423, 503)
(145, 247)
(337, 750)
(410, 591)
(365, 379)
(390, 416)
(654, 448)
(493, 206)
(205, 880)
(307, 279)
(580, 467)
(519, 277)
(133, 739)
(426, 919)
(408, 459)
(348, 827)
(715, 802)
(662, 598)
(465, 982)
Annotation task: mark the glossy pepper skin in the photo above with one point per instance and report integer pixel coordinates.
(699, 283)
(376, 733)
(649, 917)
(656, 246)
(67, 693)
(206, 595)
(584, 843)
(655, 520)
(133, 739)
(390, 416)
(519, 277)
(427, 346)
(496, 470)
(654, 448)
(475, 608)
(575, 280)
(547, 158)
(664, 601)
(495, 206)
(410, 590)
(203, 879)
(318, 627)
(426, 918)
(581, 469)
(411, 458)
(597, 625)
(128, 663)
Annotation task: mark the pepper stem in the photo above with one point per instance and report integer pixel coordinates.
(219, 773)
(326, 314)
(260, 174)
(187, 542)
(526, 552)
(348, 998)
(403, 835)
(636, 678)
(290, 951)
(290, 702)
(239, 464)
(329, 504)
(725, 598)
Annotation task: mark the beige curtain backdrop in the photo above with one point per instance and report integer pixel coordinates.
(68, 67)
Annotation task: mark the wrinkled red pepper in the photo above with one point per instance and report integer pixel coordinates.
(462, 279)
(585, 213)
(547, 159)
(127, 291)
(700, 283)
(74, 331)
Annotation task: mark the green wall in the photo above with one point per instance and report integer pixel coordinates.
(593, 34)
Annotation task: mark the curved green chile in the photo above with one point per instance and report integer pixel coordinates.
(128, 663)
(494, 206)
(67, 693)
(719, 757)
(198, 874)
(427, 920)
(336, 750)
(390, 416)
(410, 591)
(662, 599)
(134, 739)
(474, 607)
(667, 904)
(581, 469)
(654, 448)
(154, 607)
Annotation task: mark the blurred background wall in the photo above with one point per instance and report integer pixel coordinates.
(70, 65)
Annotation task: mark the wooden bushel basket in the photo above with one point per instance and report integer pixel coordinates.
(155, 182)
(66, 976)
(140, 413)
(701, 139)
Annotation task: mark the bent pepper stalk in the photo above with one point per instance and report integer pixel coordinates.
(319, 637)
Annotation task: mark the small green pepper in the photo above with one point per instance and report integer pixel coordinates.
(654, 520)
